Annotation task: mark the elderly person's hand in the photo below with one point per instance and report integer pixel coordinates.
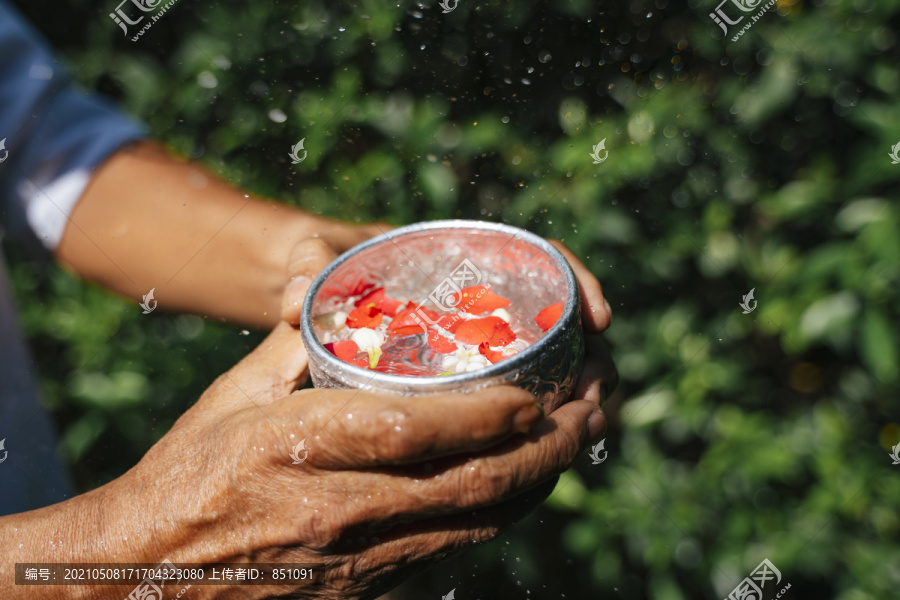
(389, 482)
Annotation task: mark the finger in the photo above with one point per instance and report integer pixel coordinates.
(275, 369)
(457, 483)
(433, 539)
(599, 376)
(344, 237)
(307, 259)
(348, 429)
(596, 314)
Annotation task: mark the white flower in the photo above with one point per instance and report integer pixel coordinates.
(503, 314)
(370, 341)
(367, 339)
(465, 361)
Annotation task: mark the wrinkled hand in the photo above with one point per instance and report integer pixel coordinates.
(389, 482)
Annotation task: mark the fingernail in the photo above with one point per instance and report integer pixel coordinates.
(596, 424)
(527, 417)
(608, 309)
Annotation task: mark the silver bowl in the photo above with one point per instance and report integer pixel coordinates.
(432, 260)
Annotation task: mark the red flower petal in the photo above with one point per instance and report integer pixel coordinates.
(364, 316)
(494, 356)
(407, 321)
(406, 330)
(492, 330)
(480, 299)
(440, 344)
(374, 298)
(361, 287)
(345, 350)
(390, 306)
(548, 317)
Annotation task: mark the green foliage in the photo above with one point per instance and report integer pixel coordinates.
(760, 163)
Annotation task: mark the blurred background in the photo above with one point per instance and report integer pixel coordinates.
(758, 164)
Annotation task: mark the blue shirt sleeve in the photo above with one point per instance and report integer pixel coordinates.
(52, 136)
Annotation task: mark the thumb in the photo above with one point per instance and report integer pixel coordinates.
(275, 369)
(278, 366)
(307, 259)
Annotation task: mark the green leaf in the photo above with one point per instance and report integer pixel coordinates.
(860, 213)
(119, 390)
(878, 346)
(830, 315)
(81, 435)
(569, 493)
